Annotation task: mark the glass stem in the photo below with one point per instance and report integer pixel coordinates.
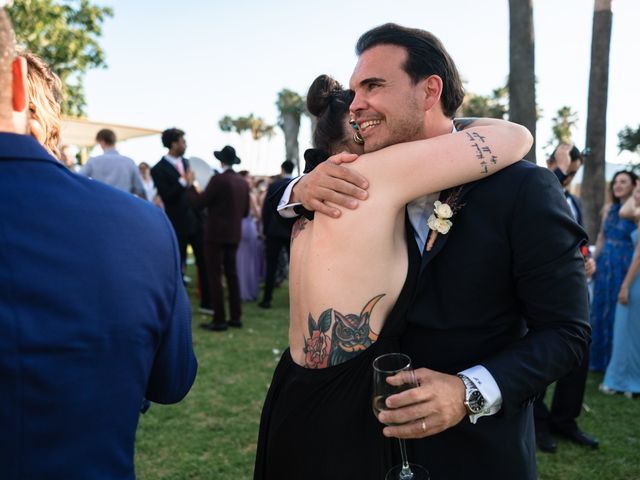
(405, 473)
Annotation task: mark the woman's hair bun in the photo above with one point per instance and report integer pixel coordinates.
(320, 92)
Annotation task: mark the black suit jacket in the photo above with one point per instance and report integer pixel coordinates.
(572, 198)
(184, 219)
(272, 222)
(505, 288)
(577, 204)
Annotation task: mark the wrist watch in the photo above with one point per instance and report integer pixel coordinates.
(474, 402)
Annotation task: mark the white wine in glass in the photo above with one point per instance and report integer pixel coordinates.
(386, 366)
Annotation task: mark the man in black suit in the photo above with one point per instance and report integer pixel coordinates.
(277, 235)
(169, 176)
(498, 314)
(566, 405)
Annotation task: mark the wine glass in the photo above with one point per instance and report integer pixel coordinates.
(384, 367)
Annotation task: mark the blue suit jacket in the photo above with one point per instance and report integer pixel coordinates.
(93, 317)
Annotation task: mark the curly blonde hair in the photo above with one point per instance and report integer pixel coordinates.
(45, 97)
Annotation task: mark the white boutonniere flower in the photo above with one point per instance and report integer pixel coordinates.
(440, 220)
(442, 211)
(440, 225)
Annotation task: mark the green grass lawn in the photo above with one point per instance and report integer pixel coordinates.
(212, 434)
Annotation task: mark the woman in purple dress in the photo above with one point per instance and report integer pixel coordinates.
(249, 256)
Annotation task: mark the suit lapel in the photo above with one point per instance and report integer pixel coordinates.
(441, 239)
(169, 168)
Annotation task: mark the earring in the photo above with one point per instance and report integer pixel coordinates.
(356, 135)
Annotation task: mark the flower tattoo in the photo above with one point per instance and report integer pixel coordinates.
(350, 335)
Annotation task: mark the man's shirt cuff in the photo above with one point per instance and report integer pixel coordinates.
(285, 209)
(489, 389)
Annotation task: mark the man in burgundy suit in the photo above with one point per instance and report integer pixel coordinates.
(227, 201)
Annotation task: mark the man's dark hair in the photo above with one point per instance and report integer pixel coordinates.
(426, 56)
(106, 136)
(574, 153)
(171, 135)
(287, 166)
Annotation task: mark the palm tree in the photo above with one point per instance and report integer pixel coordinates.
(629, 140)
(593, 180)
(564, 121)
(522, 82)
(291, 106)
(256, 125)
(495, 105)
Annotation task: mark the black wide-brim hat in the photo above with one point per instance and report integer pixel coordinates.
(227, 155)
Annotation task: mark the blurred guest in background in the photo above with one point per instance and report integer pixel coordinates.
(226, 199)
(112, 168)
(277, 235)
(566, 405)
(623, 371)
(249, 255)
(614, 249)
(150, 189)
(261, 193)
(169, 176)
(68, 159)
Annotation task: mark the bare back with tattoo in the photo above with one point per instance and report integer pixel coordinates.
(346, 273)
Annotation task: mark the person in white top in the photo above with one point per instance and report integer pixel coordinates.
(149, 186)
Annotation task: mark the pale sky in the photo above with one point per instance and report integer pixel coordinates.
(188, 63)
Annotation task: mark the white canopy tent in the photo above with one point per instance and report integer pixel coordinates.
(81, 133)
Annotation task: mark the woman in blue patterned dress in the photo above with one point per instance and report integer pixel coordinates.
(623, 372)
(614, 250)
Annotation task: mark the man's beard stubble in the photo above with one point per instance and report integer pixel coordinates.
(407, 128)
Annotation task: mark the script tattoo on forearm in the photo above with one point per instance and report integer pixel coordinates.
(298, 227)
(482, 150)
(350, 335)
